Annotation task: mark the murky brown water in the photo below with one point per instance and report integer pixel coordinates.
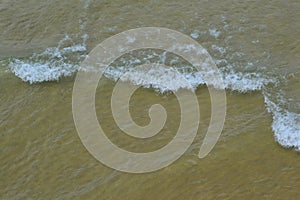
(42, 156)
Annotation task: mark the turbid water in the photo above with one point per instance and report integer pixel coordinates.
(256, 46)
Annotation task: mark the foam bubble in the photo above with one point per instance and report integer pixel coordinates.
(160, 78)
(234, 81)
(50, 65)
(221, 50)
(163, 79)
(34, 72)
(245, 82)
(214, 32)
(286, 125)
(195, 34)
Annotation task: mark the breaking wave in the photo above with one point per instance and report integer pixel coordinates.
(64, 60)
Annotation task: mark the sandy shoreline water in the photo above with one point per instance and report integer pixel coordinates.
(256, 48)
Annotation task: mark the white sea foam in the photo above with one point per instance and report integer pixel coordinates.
(214, 32)
(286, 125)
(54, 63)
(158, 77)
(34, 72)
(50, 65)
(246, 82)
(221, 50)
(163, 79)
(195, 34)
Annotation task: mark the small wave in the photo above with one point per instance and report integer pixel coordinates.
(54, 62)
(163, 80)
(246, 82)
(160, 78)
(286, 125)
(50, 65)
(35, 72)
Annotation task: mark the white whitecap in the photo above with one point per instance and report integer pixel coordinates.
(246, 82)
(195, 34)
(164, 79)
(50, 65)
(286, 125)
(34, 72)
(214, 32)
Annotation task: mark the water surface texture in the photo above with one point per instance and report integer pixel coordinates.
(256, 46)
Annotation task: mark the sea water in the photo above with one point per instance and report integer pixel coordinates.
(255, 45)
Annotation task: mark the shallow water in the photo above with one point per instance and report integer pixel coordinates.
(256, 46)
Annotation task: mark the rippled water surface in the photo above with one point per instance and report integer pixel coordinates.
(256, 46)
